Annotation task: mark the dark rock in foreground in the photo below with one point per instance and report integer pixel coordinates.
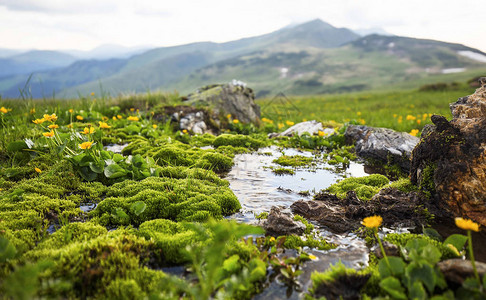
(281, 223)
(457, 270)
(450, 160)
(342, 215)
(382, 144)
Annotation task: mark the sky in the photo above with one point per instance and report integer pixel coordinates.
(86, 24)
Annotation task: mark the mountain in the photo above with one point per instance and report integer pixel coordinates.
(108, 51)
(371, 30)
(310, 58)
(32, 61)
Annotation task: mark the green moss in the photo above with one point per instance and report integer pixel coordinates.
(282, 171)
(293, 160)
(365, 187)
(404, 185)
(296, 242)
(401, 239)
(202, 140)
(262, 216)
(427, 180)
(238, 140)
(72, 233)
(308, 226)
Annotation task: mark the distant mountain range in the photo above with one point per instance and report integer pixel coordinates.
(310, 58)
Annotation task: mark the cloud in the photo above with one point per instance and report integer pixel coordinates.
(60, 7)
(153, 13)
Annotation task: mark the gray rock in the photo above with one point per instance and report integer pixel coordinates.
(232, 98)
(193, 122)
(311, 127)
(390, 250)
(456, 270)
(280, 222)
(382, 144)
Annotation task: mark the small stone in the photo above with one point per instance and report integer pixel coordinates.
(280, 222)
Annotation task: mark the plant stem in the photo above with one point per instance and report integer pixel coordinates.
(471, 256)
(382, 249)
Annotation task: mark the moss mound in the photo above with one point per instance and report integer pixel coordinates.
(365, 187)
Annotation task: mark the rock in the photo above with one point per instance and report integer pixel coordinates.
(382, 144)
(195, 120)
(311, 127)
(281, 223)
(232, 98)
(345, 286)
(390, 250)
(450, 161)
(398, 209)
(456, 270)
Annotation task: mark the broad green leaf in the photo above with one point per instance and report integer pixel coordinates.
(87, 174)
(231, 264)
(394, 267)
(106, 154)
(417, 291)
(456, 240)
(432, 233)
(85, 160)
(120, 215)
(392, 286)
(138, 161)
(138, 207)
(423, 273)
(97, 167)
(118, 157)
(114, 171)
(17, 146)
(7, 250)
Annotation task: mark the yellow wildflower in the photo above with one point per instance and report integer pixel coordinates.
(154, 126)
(362, 121)
(71, 110)
(424, 117)
(87, 130)
(132, 118)
(228, 116)
(419, 121)
(132, 109)
(39, 121)
(372, 222)
(313, 257)
(289, 123)
(48, 134)
(53, 126)
(92, 94)
(280, 125)
(85, 145)
(103, 125)
(321, 133)
(272, 239)
(358, 113)
(3, 110)
(32, 111)
(411, 118)
(119, 117)
(467, 224)
(38, 170)
(400, 119)
(105, 118)
(79, 118)
(394, 115)
(69, 126)
(51, 118)
(236, 121)
(414, 132)
(114, 118)
(184, 131)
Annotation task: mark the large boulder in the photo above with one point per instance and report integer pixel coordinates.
(233, 98)
(450, 159)
(382, 144)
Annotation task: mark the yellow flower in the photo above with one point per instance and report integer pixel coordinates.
(272, 239)
(32, 111)
(419, 121)
(38, 170)
(39, 121)
(362, 121)
(411, 118)
(321, 133)
(92, 94)
(289, 123)
(3, 110)
(105, 118)
(119, 117)
(85, 145)
(236, 121)
(87, 130)
(414, 132)
(400, 119)
(53, 126)
(69, 126)
(228, 116)
(114, 118)
(467, 224)
(154, 126)
(372, 222)
(51, 118)
(79, 118)
(313, 257)
(184, 131)
(132, 118)
(71, 110)
(394, 115)
(132, 109)
(103, 125)
(48, 134)
(280, 125)
(424, 117)
(358, 113)
(267, 121)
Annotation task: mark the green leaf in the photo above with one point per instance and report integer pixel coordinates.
(106, 154)
(392, 286)
(114, 171)
(138, 207)
(231, 264)
(417, 291)
(96, 167)
(11, 172)
(118, 157)
(432, 233)
(456, 240)
(119, 214)
(138, 161)
(395, 267)
(471, 284)
(131, 129)
(423, 273)
(7, 250)
(87, 174)
(85, 160)
(17, 146)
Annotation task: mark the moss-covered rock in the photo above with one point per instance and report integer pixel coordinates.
(239, 140)
(365, 187)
